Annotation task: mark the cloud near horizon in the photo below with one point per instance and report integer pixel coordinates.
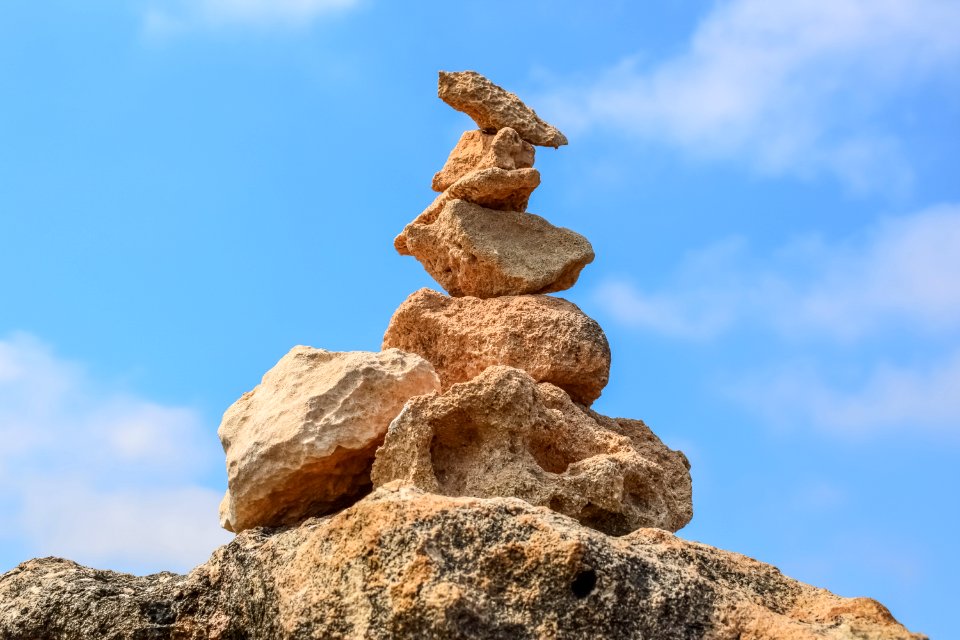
(103, 477)
(799, 87)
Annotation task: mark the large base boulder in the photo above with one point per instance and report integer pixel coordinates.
(474, 251)
(302, 442)
(502, 434)
(549, 338)
(404, 564)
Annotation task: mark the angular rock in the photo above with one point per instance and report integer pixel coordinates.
(479, 150)
(493, 188)
(494, 108)
(302, 442)
(549, 338)
(474, 251)
(404, 564)
(504, 435)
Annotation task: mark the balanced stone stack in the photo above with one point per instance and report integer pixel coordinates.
(455, 484)
(518, 369)
(482, 393)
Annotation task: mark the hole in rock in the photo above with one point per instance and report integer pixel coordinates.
(584, 583)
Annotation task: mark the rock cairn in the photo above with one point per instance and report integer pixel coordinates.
(483, 392)
(455, 484)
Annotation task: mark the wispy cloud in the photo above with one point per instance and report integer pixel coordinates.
(900, 273)
(165, 17)
(106, 478)
(799, 86)
(887, 396)
(857, 310)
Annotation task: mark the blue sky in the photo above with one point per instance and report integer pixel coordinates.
(188, 189)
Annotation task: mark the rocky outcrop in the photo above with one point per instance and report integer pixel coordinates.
(406, 564)
(502, 434)
(505, 508)
(302, 442)
(494, 108)
(473, 251)
(549, 338)
(478, 150)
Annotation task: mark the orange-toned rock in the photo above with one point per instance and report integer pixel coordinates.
(302, 442)
(494, 188)
(406, 564)
(494, 108)
(549, 338)
(478, 150)
(474, 251)
(504, 435)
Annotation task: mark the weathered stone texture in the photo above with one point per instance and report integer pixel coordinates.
(404, 564)
(474, 251)
(478, 150)
(302, 442)
(549, 338)
(502, 434)
(494, 108)
(495, 188)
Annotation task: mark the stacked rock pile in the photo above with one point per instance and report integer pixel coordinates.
(484, 392)
(442, 465)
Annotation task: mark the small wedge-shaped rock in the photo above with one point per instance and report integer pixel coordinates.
(474, 251)
(503, 435)
(494, 108)
(478, 150)
(549, 338)
(493, 188)
(302, 442)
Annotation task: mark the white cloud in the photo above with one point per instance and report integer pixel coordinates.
(887, 396)
(797, 86)
(103, 477)
(170, 16)
(902, 273)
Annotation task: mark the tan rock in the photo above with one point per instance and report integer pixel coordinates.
(504, 435)
(479, 150)
(494, 188)
(494, 108)
(474, 251)
(549, 338)
(302, 442)
(404, 564)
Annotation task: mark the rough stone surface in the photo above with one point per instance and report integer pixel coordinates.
(478, 150)
(474, 251)
(302, 442)
(549, 338)
(404, 564)
(494, 188)
(503, 434)
(494, 108)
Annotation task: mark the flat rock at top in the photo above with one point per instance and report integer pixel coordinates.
(549, 338)
(301, 443)
(474, 251)
(406, 564)
(494, 108)
(493, 188)
(478, 150)
(503, 435)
